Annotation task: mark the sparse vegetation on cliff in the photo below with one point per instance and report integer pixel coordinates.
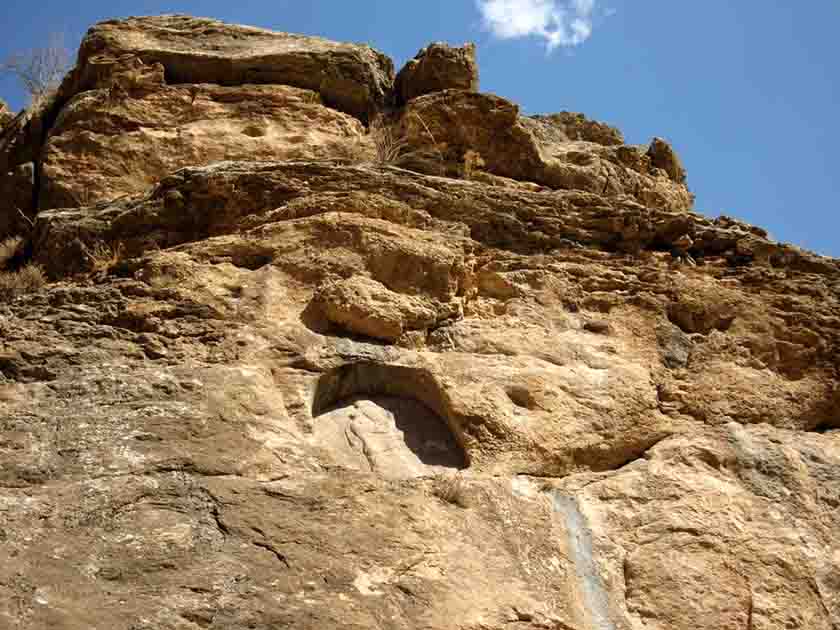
(40, 70)
(25, 280)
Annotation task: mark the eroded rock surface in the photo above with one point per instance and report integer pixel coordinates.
(6, 115)
(442, 128)
(150, 132)
(350, 77)
(367, 307)
(393, 437)
(571, 127)
(20, 144)
(271, 386)
(436, 68)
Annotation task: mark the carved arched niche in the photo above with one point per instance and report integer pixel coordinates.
(385, 419)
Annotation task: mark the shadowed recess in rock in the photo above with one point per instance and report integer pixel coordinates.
(395, 437)
(387, 412)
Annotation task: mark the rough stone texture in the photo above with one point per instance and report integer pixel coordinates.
(662, 156)
(353, 78)
(435, 68)
(133, 56)
(571, 126)
(312, 394)
(397, 438)
(22, 138)
(20, 145)
(367, 307)
(6, 115)
(442, 127)
(151, 131)
(199, 202)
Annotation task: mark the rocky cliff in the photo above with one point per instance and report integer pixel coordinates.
(326, 347)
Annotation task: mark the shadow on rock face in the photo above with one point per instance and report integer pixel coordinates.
(385, 419)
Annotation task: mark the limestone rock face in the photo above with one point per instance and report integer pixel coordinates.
(151, 131)
(367, 307)
(570, 127)
(352, 78)
(663, 156)
(512, 382)
(442, 128)
(436, 68)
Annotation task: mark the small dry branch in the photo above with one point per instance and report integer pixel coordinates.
(40, 70)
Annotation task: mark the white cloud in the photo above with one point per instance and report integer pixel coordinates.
(558, 22)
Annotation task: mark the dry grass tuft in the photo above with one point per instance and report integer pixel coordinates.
(27, 279)
(451, 489)
(392, 146)
(104, 257)
(389, 145)
(386, 144)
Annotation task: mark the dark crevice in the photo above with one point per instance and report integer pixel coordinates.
(269, 547)
(750, 610)
(825, 427)
(586, 462)
(220, 525)
(47, 123)
(36, 181)
(637, 455)
(522, 397)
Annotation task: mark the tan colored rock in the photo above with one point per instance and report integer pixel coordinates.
(441, 128)
(126, 55)
(437, 67)
(396, 438)
(231, 196)
(663, 156)
(353, 78)
(6, 114)
(732, 531)
(367, 307)
(571, 127)
(149, 130)
(319, 393)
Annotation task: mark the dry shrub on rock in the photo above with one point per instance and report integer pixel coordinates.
(40, 70)
(25, 280)
(392, 145)
(104, 257)
(388, 143)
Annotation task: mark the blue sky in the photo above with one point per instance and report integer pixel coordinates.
(747, 90)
